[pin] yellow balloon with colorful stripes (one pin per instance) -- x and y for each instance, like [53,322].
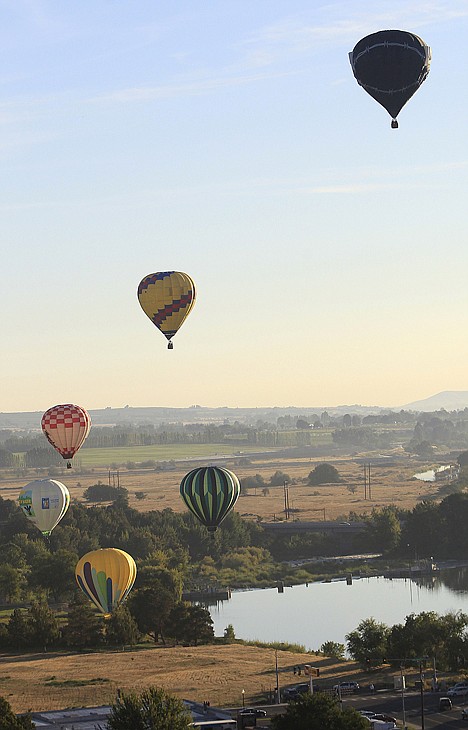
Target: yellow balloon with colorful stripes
[106,576]
[167,298]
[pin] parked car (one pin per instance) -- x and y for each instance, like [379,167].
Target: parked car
[386,718]
[303,688]
[257,711]
[458,690]
[347,687]
[290,693]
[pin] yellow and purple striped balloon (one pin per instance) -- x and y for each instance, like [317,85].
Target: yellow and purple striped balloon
[167,298]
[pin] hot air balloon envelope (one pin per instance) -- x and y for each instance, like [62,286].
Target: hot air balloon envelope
[391,65]
[106,577]
[167,298]
[210,493]
[44,502]
[66,427]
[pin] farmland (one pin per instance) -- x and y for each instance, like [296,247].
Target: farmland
[391,483]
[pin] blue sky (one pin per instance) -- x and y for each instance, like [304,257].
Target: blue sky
[231,141]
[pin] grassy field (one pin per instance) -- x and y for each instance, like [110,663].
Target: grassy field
[168,452]
[390,484]
[214,673]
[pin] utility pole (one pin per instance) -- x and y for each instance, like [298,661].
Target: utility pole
[286,500]
[277,678]
[402,679]
[421,661]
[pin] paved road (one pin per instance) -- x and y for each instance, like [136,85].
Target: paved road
[391,702]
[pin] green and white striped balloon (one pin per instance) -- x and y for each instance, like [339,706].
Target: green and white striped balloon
[210,493]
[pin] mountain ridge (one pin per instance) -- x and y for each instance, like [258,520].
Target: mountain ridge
[450,400]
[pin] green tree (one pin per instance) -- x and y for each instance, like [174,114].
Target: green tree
[229,634]
[368,643]
[253,482]
[279,478]
[55,573]
[151,608]
[324,474]
[18,630]
[121,628]
[43,624]
[11,583]
[428,634]
[424,448]
[178,622]
[153,708]
[7,459]
[42,457]
[200,625]
[104,493]
[84,629]
[318,712]
[422,533]
[333,649]
[384,529]
[3,637]
[9,721]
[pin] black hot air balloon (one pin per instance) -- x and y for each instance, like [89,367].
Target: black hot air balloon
[391,66]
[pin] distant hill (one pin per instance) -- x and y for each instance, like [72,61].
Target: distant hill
[450,400]
[194,414]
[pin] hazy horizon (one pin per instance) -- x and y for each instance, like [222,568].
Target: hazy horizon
[237,147]
[449,398]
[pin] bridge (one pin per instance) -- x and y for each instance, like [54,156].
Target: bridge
[341,529]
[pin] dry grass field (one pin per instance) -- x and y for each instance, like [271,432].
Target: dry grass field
[218,674]
[390,484]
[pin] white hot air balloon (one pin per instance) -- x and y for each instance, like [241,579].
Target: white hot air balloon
[44,502]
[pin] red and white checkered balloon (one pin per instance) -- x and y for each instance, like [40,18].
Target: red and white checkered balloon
[66,427]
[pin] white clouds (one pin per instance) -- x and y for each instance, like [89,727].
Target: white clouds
[345,22]
[192,87]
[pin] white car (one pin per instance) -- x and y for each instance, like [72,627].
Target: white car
[347,687]
[458,690]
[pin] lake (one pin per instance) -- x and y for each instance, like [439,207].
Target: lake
[317,612]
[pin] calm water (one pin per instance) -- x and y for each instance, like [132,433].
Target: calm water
[318,612]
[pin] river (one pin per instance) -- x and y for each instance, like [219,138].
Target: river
[317,612]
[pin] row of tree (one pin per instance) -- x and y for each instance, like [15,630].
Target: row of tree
[442,638]
[38,627]
[28,448]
